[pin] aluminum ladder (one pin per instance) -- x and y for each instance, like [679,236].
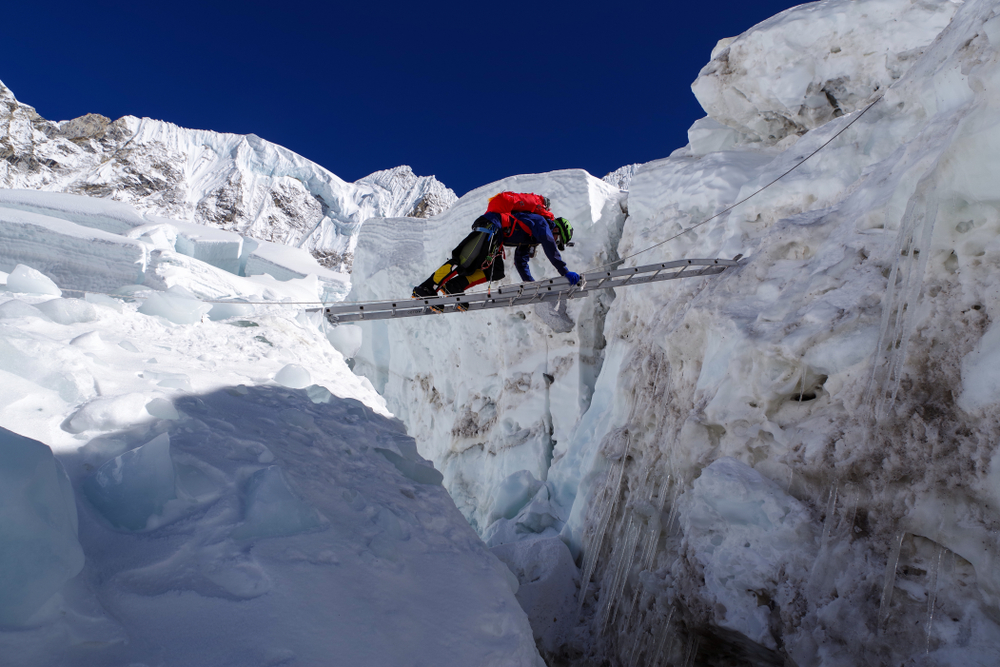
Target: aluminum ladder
[520,294]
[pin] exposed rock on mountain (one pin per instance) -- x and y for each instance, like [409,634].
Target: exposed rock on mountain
[234,182]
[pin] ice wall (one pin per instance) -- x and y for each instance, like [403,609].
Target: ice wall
[488,395]
[832,380]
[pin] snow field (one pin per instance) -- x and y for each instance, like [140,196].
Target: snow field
[244,498]
[830,404]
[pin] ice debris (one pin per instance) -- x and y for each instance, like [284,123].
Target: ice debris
[176,305]
[31,281]
[513,493]
[346,339]
[273,509]
[293,376]
[68,311]
[230,309]
[132,488]
[39,549]
[108,414]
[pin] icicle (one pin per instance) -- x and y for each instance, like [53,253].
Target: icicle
[622,567]
[900,305]
[890,580]
[830,519]
[691,654]
[932,587]
[655,527]
[819,563]
[633,605]
[608,509]
[926,225]
[623,557]
[639,647]
[662,643]
[853,495]
[613,576]
[648,540]
[673,510]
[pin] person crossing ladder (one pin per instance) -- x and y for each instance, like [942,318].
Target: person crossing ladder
[513,219]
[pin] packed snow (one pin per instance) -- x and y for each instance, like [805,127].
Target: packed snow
[191,474]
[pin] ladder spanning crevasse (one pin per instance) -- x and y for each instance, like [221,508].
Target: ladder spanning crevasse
[520,294]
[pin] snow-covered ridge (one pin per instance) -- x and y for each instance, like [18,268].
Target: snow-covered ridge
[233,182]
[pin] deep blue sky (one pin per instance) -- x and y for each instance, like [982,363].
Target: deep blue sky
[470,92]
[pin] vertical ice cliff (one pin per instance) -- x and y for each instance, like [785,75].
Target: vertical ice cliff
[794,463]
[504,387]
[802,422]
[239,183]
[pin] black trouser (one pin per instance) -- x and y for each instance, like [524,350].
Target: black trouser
[467,267]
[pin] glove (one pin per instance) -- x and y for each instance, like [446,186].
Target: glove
[573,278]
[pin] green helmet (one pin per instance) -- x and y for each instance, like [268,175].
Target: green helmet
[564,230]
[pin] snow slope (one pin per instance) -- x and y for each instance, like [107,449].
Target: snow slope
[233,182]
[188,483]
[794,462]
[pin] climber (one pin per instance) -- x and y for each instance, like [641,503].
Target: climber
[521,220]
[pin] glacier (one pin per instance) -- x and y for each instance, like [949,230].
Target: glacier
[181,488]
[792,464]
[788,464]
[237,183]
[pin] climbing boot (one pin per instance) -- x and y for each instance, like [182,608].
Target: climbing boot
[424,290]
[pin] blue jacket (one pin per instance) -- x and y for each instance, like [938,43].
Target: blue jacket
[541,234]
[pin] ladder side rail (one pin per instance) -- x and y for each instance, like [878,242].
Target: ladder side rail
[526,293]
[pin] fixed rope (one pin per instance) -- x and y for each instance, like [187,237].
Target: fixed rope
[752,195]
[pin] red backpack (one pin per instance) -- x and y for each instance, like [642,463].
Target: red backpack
[506,203]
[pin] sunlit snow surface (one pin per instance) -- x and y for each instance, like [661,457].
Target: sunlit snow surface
[792,463]
[243,497]
[839,390]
